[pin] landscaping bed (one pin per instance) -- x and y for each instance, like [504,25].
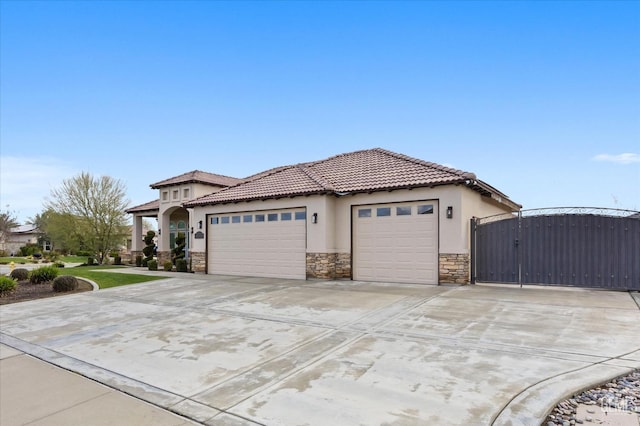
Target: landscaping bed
[28,291]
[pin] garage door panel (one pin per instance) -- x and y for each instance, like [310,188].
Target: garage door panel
[396,248]
[266,248]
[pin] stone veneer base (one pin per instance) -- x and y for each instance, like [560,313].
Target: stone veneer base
[454,268]
[329,265]
[198,261]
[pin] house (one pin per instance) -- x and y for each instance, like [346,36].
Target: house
[370,215]
[20,236]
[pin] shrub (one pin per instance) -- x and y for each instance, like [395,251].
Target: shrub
[91,260]
[153,265]
[181,265]
[19,274]
[58,264]
[7,285]
[29,249]
[65,283]
[149,245]
[138,260]
[117,260]
[43,274]
[178,251]
[144,263]
[168,265]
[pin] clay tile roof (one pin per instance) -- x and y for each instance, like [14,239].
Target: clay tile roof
[197,176]
[146,207]
[361,171]
[379,169]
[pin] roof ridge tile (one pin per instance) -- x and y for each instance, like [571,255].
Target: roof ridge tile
[320,180]
[438,166]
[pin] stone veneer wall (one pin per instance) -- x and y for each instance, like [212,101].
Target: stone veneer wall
[198,261]
[454,268]
[161,257]
[134,254]
[329,265]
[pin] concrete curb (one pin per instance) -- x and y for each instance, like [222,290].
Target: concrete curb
[533,405]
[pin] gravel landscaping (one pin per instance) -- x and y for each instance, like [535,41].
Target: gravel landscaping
[607,404]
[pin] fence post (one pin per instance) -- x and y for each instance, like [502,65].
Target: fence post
[518,251]
[473,225]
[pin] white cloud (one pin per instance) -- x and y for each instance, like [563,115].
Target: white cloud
[626,158]
[25,182]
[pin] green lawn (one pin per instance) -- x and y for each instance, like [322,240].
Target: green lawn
[107,279]
[73,259]
[8,259]
[19,259]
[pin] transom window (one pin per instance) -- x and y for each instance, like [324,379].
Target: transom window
[224,219]
[214,220]
[272,217]
[235,219]
[364,212]
[425,209]
[383,211]
[301,215]
[247,218]
[259,218]
[285,216]
[403,211]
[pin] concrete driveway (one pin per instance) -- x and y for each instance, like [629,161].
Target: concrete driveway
[237,350]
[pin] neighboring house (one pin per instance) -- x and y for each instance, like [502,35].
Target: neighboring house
[19,237]
[371,215]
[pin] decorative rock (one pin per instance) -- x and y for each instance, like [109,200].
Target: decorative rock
[622,393]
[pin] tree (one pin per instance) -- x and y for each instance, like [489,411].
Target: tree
[95,210]
[60,230]
[7,221]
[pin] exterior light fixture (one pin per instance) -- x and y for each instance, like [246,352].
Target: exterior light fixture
[314,218]
[199,224]
[450,212]
[159,232]
[192,229]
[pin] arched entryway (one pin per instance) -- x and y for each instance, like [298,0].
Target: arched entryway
[174,221]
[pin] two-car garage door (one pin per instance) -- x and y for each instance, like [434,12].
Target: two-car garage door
[396,242]
[268,243]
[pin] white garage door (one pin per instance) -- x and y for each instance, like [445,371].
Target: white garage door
[396,242]
[262,244]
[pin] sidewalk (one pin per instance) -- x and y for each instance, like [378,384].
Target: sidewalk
[34,392]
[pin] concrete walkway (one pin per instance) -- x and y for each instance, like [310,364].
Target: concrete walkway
[34,392]
[237,350]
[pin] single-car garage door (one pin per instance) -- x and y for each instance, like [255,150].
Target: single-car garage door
[396,242]
[263,244]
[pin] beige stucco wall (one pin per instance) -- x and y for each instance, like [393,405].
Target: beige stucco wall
[170,205]
[332,233]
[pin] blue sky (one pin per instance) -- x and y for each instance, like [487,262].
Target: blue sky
[539,99]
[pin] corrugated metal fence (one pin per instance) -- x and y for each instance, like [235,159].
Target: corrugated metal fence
[583,247]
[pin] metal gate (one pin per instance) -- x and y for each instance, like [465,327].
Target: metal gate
[584,247]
